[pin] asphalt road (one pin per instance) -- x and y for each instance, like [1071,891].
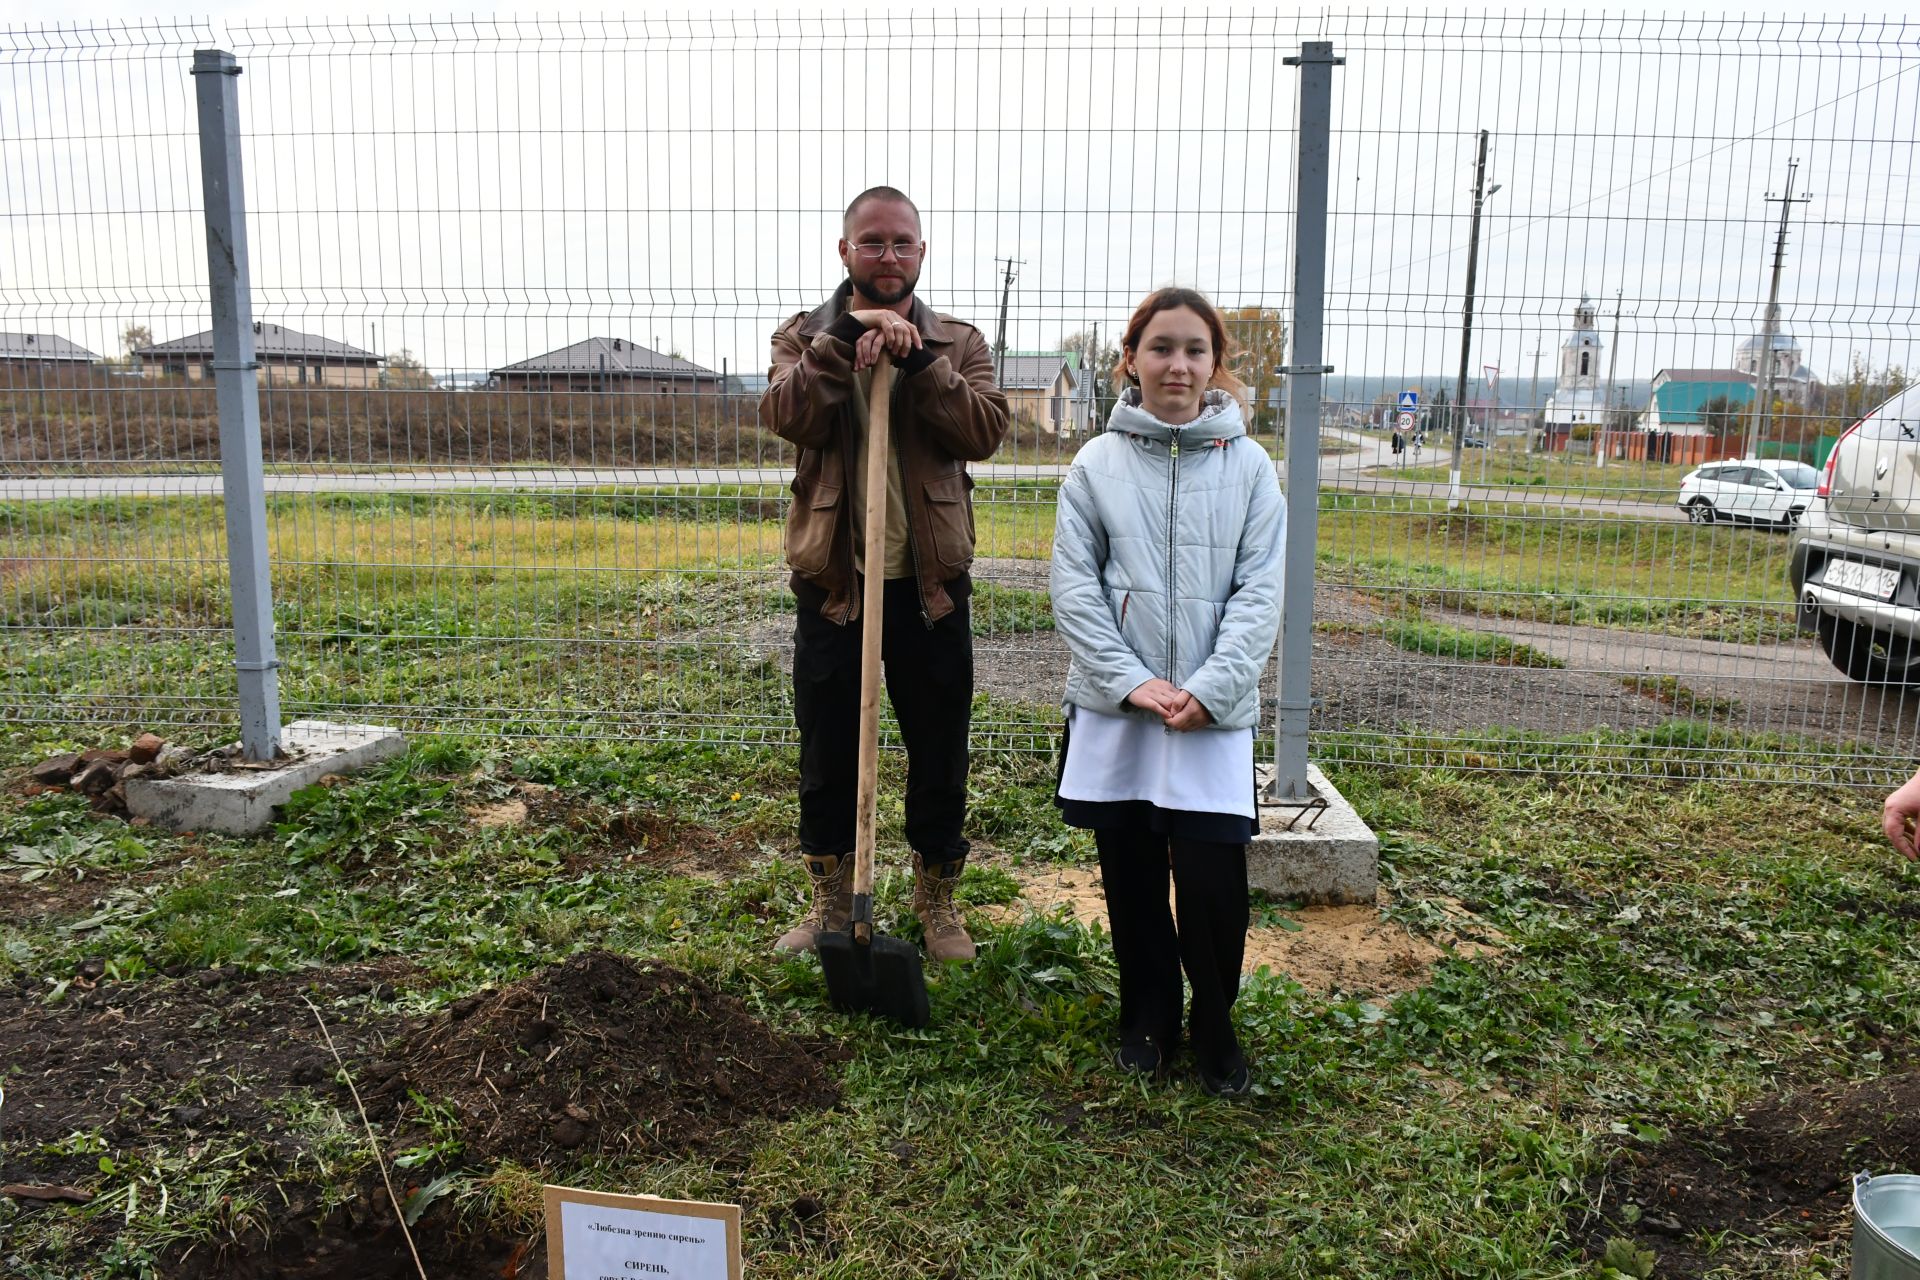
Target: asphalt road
[1367,469]
[424,480]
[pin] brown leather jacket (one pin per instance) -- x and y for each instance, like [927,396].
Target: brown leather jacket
[946,412]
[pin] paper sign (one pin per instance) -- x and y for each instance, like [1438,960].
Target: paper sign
[592,1235]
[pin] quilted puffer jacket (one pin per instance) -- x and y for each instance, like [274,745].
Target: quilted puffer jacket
[1167,561]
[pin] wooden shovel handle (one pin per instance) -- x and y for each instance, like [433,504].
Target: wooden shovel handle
[871,607]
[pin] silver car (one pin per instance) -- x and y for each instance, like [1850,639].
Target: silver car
[1855,559]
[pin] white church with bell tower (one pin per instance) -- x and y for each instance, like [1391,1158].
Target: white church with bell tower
[1578,397]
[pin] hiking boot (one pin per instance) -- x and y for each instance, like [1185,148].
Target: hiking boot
[832,902]
[933,886]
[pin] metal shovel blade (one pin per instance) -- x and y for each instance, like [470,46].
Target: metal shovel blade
[881,976]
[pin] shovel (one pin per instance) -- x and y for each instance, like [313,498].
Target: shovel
[868,972]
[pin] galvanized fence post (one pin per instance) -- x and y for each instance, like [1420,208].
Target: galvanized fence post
[237,393]
[1316,63]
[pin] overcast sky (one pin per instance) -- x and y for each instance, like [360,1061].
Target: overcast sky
[483,190]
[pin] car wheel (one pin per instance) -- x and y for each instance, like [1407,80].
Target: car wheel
[1792,520]
[1700,511]
[1866,655]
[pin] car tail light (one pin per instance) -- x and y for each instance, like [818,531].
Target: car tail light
[1833,456]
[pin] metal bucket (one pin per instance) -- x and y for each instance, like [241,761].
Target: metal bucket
[1886,1227]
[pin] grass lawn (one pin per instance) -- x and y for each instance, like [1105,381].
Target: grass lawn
[1658,966]
[654,611]
[1506,464]
[1561,566]
[1656,971]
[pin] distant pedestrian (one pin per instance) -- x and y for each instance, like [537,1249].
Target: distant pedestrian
[1399,444]
[1166,587]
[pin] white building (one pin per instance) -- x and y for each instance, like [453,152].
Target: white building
[1578,396]
[1791,378]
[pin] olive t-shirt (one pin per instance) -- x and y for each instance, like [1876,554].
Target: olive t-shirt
[899,558]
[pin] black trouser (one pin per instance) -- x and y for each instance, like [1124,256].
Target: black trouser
[929,672]
[1210,896]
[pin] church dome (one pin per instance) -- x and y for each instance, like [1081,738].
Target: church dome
[1781,342]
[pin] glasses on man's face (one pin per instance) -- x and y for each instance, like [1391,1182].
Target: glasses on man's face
[875,252]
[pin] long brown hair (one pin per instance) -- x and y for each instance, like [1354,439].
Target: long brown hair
[1172,298]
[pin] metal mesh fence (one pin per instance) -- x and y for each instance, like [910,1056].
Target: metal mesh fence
[1621,182]
[514,282]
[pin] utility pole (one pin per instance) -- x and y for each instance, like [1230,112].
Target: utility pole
[1480,194]
[1613,362]
[1093,380]
[1000,336]
[1536,417]
[1770,328]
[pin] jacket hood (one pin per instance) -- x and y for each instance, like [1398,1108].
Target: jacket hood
[1220,419]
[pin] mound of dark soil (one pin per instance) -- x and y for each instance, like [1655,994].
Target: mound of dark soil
[361,1239]
[600,1055]
[166,1060]
[1782,1173]
[596,1055]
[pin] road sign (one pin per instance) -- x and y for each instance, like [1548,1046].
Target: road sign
[1409,401]
[1406,422]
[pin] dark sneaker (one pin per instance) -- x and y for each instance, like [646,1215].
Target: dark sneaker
[1232,1085]
[1147,1055]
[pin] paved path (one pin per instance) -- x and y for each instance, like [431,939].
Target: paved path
[436,479]
[1617,649]
[1367,469]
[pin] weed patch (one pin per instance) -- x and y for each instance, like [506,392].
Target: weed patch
[1442,640]
[1668,691]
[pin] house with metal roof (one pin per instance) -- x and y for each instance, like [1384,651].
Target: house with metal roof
[1680,396]
[1040,389]
[287,358]
[42,351]
[606,364]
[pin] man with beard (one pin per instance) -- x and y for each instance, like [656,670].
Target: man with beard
[946,412]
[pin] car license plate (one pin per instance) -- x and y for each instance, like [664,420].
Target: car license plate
[1862,579]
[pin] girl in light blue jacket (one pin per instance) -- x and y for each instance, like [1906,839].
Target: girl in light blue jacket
[1166,586]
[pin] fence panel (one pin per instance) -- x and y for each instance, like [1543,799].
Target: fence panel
[116,610]
[1626,247]
[514,282]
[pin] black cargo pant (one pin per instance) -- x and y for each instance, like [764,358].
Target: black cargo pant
[929,674]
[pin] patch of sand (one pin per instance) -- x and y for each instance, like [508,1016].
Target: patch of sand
[508,813]
[1349,950]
